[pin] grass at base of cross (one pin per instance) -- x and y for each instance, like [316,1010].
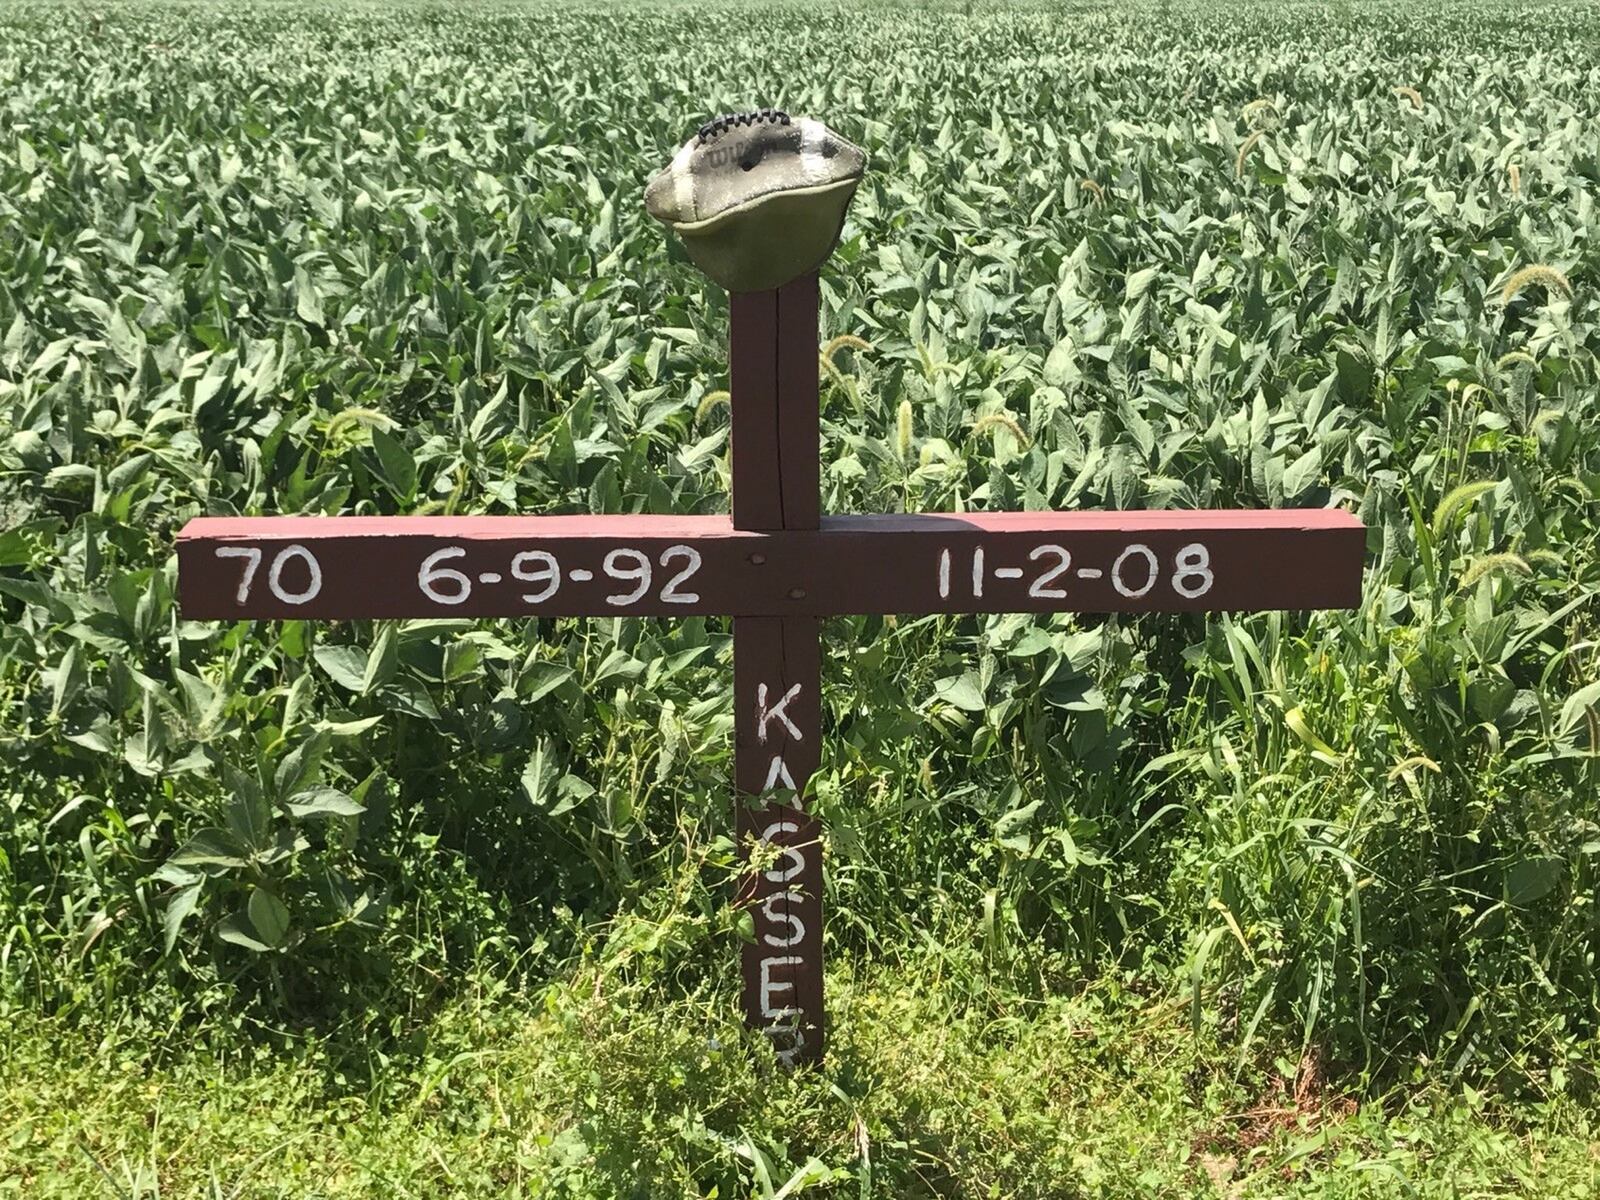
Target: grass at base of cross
[601,1087]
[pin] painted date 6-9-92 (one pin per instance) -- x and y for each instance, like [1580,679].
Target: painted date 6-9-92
[292,567]
[442,583]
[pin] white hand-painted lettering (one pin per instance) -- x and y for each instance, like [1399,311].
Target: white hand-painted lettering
[1193,562]
[252,557]
[779,773]
[275,575]
[797,928]
[797,860]
[769,985]
[639,573]
[795,1035]
[1153,568]
[430,575]
[540,567]
[691,556]
[1041,586]
[765,714]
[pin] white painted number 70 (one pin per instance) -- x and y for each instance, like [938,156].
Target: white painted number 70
[252,557]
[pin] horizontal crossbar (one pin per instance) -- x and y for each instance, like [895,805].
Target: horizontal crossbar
[508,566]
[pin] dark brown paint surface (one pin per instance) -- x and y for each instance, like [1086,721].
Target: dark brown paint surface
[782,967]
[777,662]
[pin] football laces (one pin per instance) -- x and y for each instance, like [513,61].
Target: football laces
[717,126]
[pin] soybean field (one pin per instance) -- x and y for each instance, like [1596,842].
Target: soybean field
[1269,905]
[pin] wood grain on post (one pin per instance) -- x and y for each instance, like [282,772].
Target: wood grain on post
[772,368]
[772,378]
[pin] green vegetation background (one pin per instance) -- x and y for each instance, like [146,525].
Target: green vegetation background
[1278,904]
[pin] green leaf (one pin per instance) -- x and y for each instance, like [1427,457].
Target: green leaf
[618,664]
[395,461]
[300,765]
[382,661]
[307,299]
[1532,878]
[572,791]
[541,679]
[1034,640]
[177,910]
[1075,693]
[1304,471]
[1577,704]
[239,931]
[70,677]
[961,691]
[126,341]
[348,728]
[15,550]
[249,819]
[31,591]
[539,777]
[269,917]
[1011,830]
[1082,648]
[324,802]
[210,848]
[1060,366]
[345,665]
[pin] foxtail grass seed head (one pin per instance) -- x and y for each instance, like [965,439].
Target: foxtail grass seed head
[1515,358]
[1244,150]
[1457,499]
[1506,563]
[1405,766]
[831,370]
[708,404]
[1004,421]
[1514,173]
[1544,418]
[1260,113]
[844,340]
[1094,189]
[355,418]
[1411,94]
[902,431]
[1549,278]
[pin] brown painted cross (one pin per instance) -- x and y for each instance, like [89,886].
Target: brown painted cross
[775,566]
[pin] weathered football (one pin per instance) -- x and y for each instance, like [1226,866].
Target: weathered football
[757,198]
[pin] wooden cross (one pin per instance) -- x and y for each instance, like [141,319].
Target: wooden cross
[776,566]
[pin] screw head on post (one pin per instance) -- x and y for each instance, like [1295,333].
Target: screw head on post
[758,198]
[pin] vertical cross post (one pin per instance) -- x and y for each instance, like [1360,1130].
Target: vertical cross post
[777,664]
